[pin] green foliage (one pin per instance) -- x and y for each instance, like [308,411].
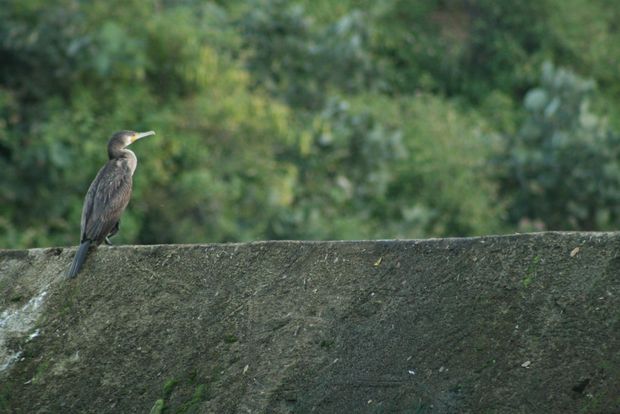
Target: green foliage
[392,180]
[341,164]
[562,164]
[444,186]
[461,48]
[297,60]
[586,36]
[310,119]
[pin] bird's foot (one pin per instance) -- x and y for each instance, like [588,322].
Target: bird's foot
[107,241]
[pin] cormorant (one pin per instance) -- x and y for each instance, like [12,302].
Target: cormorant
[107,196]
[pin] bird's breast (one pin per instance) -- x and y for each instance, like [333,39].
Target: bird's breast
[128,161]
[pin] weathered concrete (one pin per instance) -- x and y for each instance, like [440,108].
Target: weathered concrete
[515,324]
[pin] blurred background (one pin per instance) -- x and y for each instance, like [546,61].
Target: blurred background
[312,119]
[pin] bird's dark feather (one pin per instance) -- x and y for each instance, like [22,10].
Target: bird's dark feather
[106,200]
[79,258]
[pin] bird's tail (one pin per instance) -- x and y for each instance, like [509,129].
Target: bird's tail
[79,258]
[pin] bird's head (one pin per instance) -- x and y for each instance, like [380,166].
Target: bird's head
[121,140]
[126,138]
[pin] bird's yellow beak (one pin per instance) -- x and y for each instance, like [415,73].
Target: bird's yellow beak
[139,135]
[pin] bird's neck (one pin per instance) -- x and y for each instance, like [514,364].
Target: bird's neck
[115,153]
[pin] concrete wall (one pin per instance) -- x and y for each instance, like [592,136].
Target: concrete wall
[514,324]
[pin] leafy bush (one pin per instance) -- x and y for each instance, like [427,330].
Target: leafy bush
[466,49]
[562,164]
[376,167]
[445,186]
[297,60]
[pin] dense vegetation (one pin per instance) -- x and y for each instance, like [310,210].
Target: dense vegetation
[312,119]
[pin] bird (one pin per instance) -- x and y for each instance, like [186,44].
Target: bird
[107,196]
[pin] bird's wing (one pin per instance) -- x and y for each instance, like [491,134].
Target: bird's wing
[108,196]
[87,209]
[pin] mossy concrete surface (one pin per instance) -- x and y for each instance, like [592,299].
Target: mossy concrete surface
[513,324]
